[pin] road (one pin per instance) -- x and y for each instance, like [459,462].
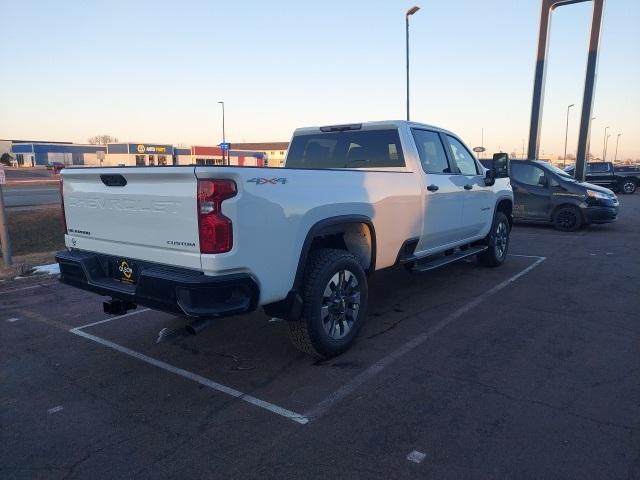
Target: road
[29,195]
[530,370]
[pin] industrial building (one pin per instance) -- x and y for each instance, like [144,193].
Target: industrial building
[138,154]
[34,154]
[275,151]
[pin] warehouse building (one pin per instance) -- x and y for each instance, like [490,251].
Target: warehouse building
[212,155]
[138,154]
[275,151]
[32,154]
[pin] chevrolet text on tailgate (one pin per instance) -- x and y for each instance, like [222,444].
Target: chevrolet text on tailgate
[301,241]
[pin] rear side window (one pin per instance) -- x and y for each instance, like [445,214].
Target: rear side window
[598,167]
[528,174]
[463,158]
[431,151]
[349,149]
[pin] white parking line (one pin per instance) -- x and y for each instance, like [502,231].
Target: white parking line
[338,395]
[107,320]
[349,387]
[283,412]
[25,288]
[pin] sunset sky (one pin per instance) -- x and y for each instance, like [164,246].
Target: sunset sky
[152,71]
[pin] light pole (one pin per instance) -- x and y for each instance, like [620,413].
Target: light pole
[566,133]
[604,144]
[410,12]
[615,158]
[224,140]
[589,143]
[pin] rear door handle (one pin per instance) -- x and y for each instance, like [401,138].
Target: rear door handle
[468,187]
[433,188]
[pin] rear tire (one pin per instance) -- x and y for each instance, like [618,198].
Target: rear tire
[628,186]
[567,219]
[497,241]
[334,304]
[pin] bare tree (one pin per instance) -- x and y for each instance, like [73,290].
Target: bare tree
[102,139]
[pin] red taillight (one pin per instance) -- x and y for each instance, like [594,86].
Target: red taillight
[216,230]
[64,217]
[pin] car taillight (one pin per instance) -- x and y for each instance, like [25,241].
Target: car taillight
[64,217]
[216,230]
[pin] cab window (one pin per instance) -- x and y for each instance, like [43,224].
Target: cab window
[431,151]
[528,174]
[348,149]
[463,158]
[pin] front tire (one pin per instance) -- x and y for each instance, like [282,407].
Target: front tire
[567,219]
[335,295]
[628,186]
[497,242]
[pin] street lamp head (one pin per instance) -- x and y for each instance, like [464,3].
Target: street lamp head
[412,10]
[571,105]
[221,103]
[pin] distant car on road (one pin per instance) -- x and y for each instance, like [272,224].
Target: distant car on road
[544,193]
[606,175]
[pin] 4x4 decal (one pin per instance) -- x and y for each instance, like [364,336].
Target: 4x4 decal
[267,181]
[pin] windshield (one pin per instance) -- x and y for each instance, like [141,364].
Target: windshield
[558,171]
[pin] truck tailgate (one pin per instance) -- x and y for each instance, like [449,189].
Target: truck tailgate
[142,213]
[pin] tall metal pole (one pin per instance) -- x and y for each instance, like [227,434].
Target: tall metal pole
[589,143]
[4,233]
[410,12]
[604,145]
[589,81]
[224,140]
[566,133]
[615,158]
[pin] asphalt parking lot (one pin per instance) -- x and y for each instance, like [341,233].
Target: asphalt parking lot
[531,370]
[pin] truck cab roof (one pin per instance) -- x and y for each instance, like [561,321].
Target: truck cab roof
[374,125]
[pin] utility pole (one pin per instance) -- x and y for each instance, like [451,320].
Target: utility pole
[410,12]
[224,140]
[615,158]
[566,133]
[4,231]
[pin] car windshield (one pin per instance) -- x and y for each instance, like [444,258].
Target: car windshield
[558,171]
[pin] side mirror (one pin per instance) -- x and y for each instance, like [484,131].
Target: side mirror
[490,177]
[500,165]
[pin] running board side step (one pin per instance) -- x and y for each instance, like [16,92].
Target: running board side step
[441,261]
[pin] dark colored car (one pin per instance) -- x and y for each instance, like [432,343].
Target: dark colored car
[546,194]
[605,174]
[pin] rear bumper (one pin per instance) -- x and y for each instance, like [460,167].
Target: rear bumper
[161,287]
[600,214]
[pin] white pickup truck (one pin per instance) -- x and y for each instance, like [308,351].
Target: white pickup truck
[300,241]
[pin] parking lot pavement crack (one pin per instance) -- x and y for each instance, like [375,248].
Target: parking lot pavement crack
[71,470]
[495,390]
